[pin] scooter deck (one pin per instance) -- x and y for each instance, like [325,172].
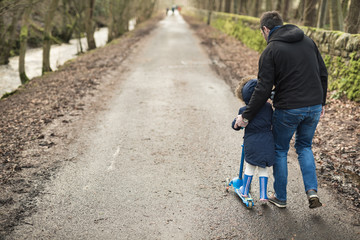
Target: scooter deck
[248,201]
[236,183]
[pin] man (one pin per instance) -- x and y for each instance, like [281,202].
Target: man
[292,63]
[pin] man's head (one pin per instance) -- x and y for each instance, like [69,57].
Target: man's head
[268,21]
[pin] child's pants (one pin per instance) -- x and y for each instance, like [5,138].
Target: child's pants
[250,170]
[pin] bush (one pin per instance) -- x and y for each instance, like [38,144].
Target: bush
[344,77]
[237,27]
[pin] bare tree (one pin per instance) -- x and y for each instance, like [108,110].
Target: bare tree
[89,26]
[143,9]
[278,5]
[47,36]
[336,18]
[255,6]
[269,5]
[69,20]
[9,16]
[211,9]
[220,5]
[310,13]
[353,18]
[117,26]
[227,6]
[236,6]
[298,16]
[344,7]
[23,42]
[285,10]
[322,13]
[243,7]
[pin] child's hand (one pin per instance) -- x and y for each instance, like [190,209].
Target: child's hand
[235,126]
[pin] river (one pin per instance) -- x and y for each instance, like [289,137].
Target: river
[59,54]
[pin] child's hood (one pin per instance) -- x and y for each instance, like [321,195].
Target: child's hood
[246,89]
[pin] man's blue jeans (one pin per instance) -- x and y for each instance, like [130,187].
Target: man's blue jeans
[286,122]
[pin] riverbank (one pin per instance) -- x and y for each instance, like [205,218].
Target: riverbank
[59,54]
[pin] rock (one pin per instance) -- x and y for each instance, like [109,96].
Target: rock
[340,42]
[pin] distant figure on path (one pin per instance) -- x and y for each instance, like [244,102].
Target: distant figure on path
[292,63]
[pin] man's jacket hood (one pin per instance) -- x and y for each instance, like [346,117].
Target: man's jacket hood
[287,33]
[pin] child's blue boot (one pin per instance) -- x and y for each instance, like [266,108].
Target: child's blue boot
[245,188]
[263,189]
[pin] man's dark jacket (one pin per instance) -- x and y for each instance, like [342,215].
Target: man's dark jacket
[292,63]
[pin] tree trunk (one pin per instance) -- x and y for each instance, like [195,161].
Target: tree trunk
[2,42]
[89,26]
[4,48]
[68,22]
[285,10]
[227,6]
[344,7]
[118,19]
[310,13]
[23,42]
[211,8]
[299,11]
[269,6]
[111,21]
[220,5]
[47,36]
[255,8]
[236,7]
[7,36]
[278,5]
[322,14]
[353,18]
[336,19]
[243,7]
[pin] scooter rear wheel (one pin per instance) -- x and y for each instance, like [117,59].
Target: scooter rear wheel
[250,204]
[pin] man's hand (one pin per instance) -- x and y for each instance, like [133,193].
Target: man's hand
[240,122]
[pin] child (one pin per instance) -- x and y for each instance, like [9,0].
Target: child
[259,145]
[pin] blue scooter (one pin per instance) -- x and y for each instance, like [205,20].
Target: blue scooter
[237,182]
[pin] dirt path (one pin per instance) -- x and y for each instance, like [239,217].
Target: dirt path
[151,160]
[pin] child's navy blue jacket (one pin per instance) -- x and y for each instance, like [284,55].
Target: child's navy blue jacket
[259,144]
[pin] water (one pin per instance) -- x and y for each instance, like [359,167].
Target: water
[59,54]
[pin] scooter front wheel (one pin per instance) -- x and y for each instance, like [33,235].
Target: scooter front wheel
[227,184]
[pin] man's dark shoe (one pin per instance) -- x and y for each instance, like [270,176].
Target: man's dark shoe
[314,200]
[277,202]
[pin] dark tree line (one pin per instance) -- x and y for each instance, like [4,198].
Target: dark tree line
[45,22]
[342,15]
